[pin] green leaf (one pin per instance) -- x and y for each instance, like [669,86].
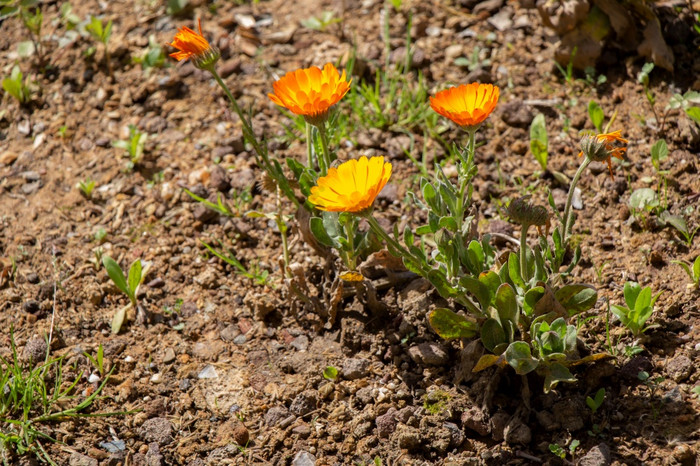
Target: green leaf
[631,290]
[486,361]
[118,319]
[694,114]
[644,198]
[596,114]
[25,48]
[532,296]
[506,303]
[317,228]
[520,358]
[539,143]
[330,373]
[659,152]
[134,277]
[576,298]
[696,268]
[450,325]
[514,270]
[116,274]
[556,373]
[492,334]
[643,299]
[676,221]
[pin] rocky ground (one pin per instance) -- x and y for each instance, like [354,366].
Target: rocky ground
[229,371]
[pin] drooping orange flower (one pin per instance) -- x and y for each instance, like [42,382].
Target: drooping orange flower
[193,45]
[352,187]
[310,92]
[603,147]
[467,105]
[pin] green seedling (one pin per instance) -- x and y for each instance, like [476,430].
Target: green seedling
[96,260]
[34,399]
[134,147]
[568,73]
[86,187]
[17,86]
[97,360]
[642,202]
[652,384]
[129,285]
[693,272]
[474,60]
[539,142]
[101,32]
[153,57]
[596,115]
[100,235]
[679,223]
[330,373]
[596,402]
[640,306]
[233,208]
[560,452]
[643,79]
[688,102]
[321,22]
[659,153]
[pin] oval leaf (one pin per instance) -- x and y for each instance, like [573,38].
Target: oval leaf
[450,325]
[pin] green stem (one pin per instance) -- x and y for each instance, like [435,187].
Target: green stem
[249,136]
[282,227]
[463,174]
[405,253]
[310,147]
[350,228]
[523,253]
[324,148]
[568,216]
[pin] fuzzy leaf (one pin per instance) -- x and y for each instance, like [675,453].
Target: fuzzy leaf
[492,334]
[520,358]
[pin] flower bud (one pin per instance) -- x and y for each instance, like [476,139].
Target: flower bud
[524,213]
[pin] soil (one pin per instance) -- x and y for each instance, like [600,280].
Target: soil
[227,371]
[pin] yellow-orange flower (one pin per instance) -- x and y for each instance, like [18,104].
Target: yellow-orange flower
[352,187]
[603,147]
[193,45]
[467,105]
[311,92]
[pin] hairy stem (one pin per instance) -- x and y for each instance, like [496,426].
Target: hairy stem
[568,216]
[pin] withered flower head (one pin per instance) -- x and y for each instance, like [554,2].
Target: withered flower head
[602,147]
[193,46]
[523,212]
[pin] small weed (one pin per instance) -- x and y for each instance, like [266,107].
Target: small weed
[693,272]
[595,402]
[101,32]
[129,285]
[153,57]
[640,306]
[97,360]
[652,385]
[321,22]
[86,187]
[134,147]
[559,451]
[18,86]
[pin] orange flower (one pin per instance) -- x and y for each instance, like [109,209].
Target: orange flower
[352,187]
[467,105]
[604,146]
[310,92]
[193,45]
